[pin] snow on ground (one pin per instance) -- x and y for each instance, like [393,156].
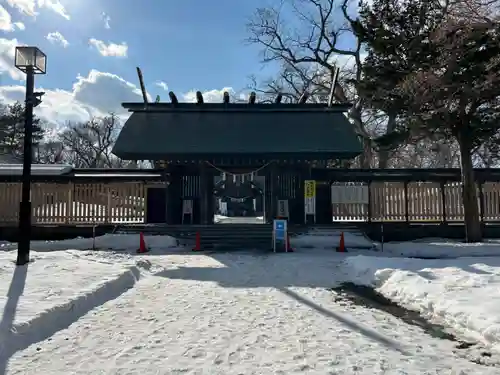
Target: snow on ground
[115,242]
[220,314]
[52,291]
[440,248]
[220,219]
[355,241]
[330,239]
[462,294]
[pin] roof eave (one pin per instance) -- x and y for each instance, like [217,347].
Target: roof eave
[308,155]
[238,107]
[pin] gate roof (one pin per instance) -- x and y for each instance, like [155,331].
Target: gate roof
[199,131]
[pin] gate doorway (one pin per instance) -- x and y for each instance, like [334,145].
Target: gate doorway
[239,198]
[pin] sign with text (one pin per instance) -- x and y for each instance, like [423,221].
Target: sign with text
[280,229]
[310,197]
[282,208]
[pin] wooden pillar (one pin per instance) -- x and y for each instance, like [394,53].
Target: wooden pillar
[323,203]
[296,204]
[203,206]
[206,194]
[274,190]
[174,195]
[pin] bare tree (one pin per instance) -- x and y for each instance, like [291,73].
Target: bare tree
[89,144]
[309,51]
[49,152]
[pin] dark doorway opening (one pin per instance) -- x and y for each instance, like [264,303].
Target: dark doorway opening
[239,198]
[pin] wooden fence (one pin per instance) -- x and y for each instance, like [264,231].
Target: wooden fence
[74,203]
[125,202]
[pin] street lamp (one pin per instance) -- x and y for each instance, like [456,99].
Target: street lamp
[31,61]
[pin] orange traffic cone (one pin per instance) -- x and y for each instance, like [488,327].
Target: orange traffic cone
[341,248]
[288,246]
[142,244]
[197,245]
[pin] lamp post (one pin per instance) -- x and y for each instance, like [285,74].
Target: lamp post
[31,61]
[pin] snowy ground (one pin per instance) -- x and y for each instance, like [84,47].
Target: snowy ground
[220,219]
[462,294]
[188,313]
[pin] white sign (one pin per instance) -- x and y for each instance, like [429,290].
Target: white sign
[283,208]
[350,194]
[187,207]
[223,207]
[310,197]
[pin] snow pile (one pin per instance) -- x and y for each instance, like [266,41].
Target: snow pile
[219,218]
[115,242]
[462,294]
[428,248]
[47,295]
[439,248]
[330,239]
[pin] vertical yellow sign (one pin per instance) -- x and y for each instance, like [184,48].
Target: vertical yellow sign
[310,189]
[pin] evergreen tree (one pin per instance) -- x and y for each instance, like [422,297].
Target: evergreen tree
[442,73]
[12,130]
[396,35]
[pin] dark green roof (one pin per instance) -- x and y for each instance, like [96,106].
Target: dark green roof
[210,130]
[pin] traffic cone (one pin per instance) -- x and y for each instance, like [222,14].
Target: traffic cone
[142,244]
[341,248]
[288,246]
[197,245]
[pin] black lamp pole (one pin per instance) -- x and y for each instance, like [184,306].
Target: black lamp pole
[23,250]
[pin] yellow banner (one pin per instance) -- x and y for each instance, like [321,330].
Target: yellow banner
[309,189]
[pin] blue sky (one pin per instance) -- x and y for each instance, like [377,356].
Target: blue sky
[94,46]
[189,44]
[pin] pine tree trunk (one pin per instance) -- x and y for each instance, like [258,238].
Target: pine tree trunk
[473,232]
[384,155]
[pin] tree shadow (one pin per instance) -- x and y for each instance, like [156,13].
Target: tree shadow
[16,290]
[369,333]
[270,272]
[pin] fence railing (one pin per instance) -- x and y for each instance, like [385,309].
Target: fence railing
[108,203]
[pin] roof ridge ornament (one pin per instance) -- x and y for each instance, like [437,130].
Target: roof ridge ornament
[143,88]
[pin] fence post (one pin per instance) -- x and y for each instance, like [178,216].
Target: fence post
[70,203]
[442,187]
[481,200]
[370,201]
[407,203]
[109,208]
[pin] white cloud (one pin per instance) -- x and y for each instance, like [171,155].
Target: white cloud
[6,23]
[162,85]
[29,7]
[211,96]
[57,38]
[110,49]
[54,5]
[94,95]
[106,20]
[7,50]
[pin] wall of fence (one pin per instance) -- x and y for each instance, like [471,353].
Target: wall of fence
[114,203]
[73,203]
[413,202]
